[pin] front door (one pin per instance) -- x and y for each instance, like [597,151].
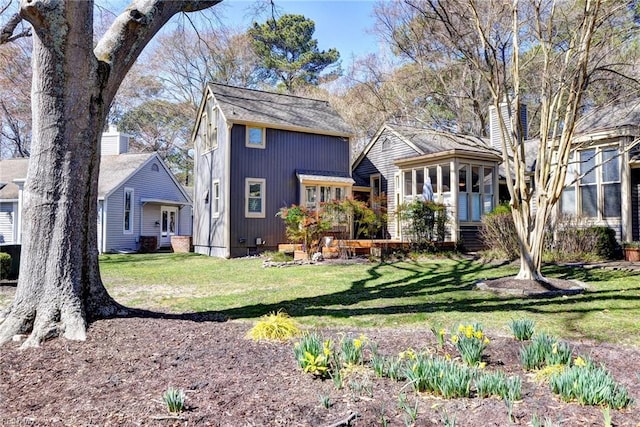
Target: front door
[168,224]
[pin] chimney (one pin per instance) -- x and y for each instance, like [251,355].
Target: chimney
[114,142]
[495,137]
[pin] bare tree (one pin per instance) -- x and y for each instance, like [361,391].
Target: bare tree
[74,83]
[499,40]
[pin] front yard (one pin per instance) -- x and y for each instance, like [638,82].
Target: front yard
[421,293]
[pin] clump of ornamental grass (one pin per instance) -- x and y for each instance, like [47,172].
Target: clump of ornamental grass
[471,343]
[274,327]
[588,384]
[522,329]
[544,350]
[498,384]
[313,354]
[440,376]
[174,399]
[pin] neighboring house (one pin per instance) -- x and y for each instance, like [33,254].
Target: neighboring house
[462,171]
[256,152]
[138,196]
[604,172]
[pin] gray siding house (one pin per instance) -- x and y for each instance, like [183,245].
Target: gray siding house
[137,196]
[256,152]
[462,171]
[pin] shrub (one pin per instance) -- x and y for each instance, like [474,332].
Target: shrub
[304,226]
[470,342]
[498,233]
[543,351]
[589,385]
[274,327]
[426,223]
[174,399]
[571,238]
[5,265]
[522,329]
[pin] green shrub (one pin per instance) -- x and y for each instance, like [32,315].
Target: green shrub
[470,342]
[522,329]
[499,234]
[5,265]
[274,327]
[174,399]
[588,384]
[571,238]
[543,351]
[426,223]
[607,246]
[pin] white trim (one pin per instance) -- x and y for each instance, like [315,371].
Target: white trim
[227,193]
[131,209]
[263,133]
[263,185]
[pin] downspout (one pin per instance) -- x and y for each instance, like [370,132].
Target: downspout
[104,226]
[227,195]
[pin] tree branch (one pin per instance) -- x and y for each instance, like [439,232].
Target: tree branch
[7,31]
[131,32]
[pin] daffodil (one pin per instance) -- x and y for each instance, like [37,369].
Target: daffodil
[454,339]
[580,362]
[482,365]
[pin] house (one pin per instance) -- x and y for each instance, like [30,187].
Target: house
[256,152]
[462,171]
[603,178]
[138,199]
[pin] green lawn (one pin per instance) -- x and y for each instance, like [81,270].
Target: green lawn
[421,293]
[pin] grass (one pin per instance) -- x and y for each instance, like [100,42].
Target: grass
[425,292]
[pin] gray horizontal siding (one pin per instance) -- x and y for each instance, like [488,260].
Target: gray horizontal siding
[7,222]
[147,184]
[380,160]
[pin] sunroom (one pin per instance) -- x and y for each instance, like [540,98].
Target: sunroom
[465,181]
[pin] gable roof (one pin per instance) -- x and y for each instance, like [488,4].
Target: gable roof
[429,141]
[9,170]
[277,110]
[114,170]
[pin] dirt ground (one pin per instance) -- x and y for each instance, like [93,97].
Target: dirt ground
[117,377]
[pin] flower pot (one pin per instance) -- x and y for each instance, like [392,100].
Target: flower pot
[632,254]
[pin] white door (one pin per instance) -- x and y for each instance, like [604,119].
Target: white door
[168,224]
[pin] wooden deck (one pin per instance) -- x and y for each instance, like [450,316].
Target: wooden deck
[342,248]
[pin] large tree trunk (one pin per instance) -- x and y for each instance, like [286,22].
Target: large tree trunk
[59,283]
[59,289]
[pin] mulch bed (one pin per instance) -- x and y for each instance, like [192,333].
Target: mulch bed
[117,377]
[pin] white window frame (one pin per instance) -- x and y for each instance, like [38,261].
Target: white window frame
[263,132]
[247,185]
[575,183]
[318,201]
[215,198]
[131,210]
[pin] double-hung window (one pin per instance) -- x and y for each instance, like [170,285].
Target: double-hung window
[215,199]
[593,184]
[255,197]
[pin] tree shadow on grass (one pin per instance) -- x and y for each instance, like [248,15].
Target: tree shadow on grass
[430,283]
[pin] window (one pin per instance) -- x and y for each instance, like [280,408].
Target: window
[215,199]
[155,167]
[255,197]
[475,194]
[255,137]
[212,130]
[127,225]
[598,189]
[314,194]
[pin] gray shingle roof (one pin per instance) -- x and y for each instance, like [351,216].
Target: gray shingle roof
[278,110]
[432,141]
[9,170]
[113,171]
[610,117]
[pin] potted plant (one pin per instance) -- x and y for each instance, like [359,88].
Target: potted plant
[631,251]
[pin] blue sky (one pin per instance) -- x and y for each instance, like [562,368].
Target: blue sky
[343,24]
